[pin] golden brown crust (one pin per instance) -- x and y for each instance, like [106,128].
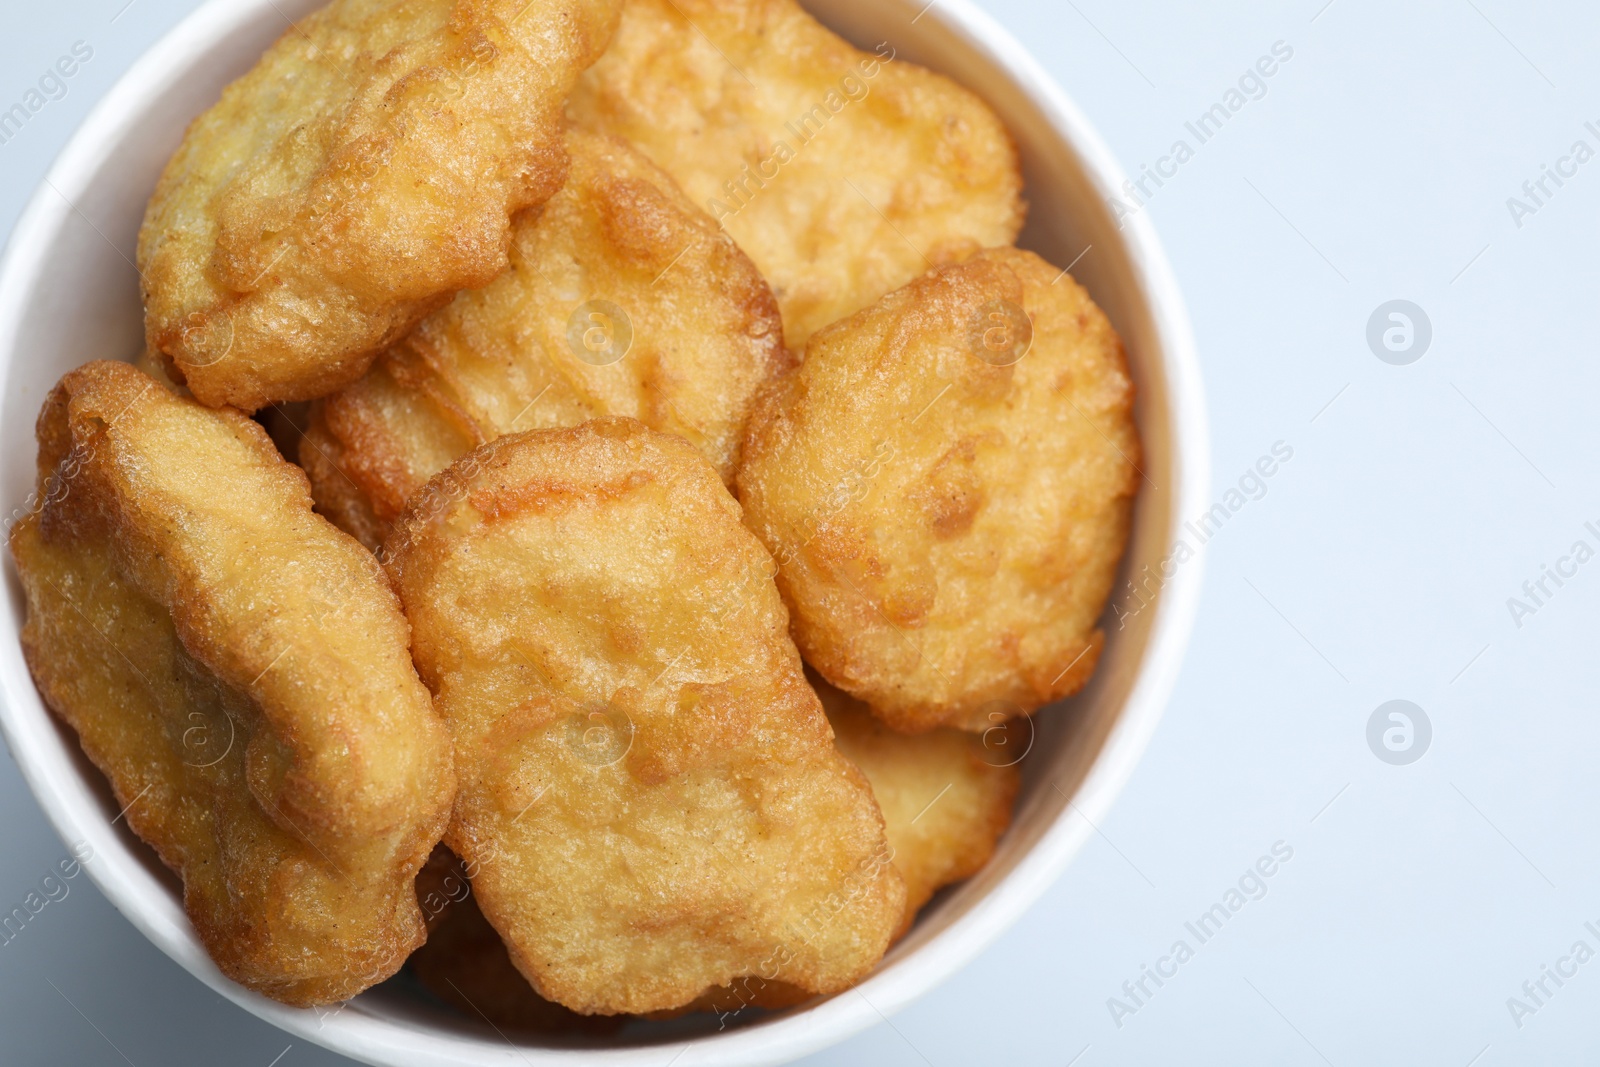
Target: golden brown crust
[358,176]
[844,174]
[948,520]
[465,964]
[705,334]
[650,796]
[238,669]
[946,799]
[737,997]
[337,495]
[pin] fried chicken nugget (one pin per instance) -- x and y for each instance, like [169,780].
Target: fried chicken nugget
[623,298]
[945,798]
[946,483]
[465,964]
[650,796]
[358,176]
[238,669]
[844,174]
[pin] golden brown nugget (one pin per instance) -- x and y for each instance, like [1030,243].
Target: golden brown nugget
[946,799]
[285,423]
[358,176]
[844,174]
[239,670]
[946,484]
[623,298]
[651,801]
[465,964]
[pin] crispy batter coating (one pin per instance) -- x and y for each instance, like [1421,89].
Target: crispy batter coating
[698,332]
[947,517]
[650,795]
[465,964]
[238,669]
[358,176]
[751,991]
[946,799]
[844,174]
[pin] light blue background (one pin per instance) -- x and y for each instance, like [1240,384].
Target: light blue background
[1377,566]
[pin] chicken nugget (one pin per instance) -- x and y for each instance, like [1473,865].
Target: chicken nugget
[465,964]
[844,174]
[239,670]
[945,797]
[946,483]
[623,298]
[358,176]
[651,801]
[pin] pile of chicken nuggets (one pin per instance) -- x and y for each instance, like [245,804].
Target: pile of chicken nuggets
[598,475]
